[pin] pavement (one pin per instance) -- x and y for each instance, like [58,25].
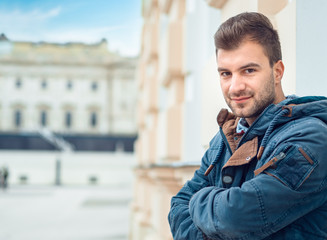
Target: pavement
[64,212]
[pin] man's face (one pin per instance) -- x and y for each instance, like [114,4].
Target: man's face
[246,79]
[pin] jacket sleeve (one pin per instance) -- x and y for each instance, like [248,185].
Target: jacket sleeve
[181,224]
[279,195]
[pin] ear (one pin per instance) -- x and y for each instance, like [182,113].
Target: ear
[278,70]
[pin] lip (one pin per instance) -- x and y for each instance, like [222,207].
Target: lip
[240,99]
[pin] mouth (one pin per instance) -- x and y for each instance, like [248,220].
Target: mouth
[239,100]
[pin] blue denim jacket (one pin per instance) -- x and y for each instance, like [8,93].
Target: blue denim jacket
[272,184]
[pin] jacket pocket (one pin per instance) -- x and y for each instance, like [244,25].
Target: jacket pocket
[294,168]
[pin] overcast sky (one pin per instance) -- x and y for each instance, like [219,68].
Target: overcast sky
[60,21]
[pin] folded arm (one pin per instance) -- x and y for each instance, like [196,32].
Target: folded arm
[278,196]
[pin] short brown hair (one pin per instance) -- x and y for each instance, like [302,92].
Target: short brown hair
[251,26]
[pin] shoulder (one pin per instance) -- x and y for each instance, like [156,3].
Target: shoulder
[303,129]
[306,136]
[294,151]
[309,133]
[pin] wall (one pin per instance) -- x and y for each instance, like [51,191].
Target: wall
[200,90]
[311,48]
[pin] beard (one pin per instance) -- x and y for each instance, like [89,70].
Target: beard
[260,101]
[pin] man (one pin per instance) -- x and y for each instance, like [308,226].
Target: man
[265,173]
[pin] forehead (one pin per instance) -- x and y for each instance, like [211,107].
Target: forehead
[247,52]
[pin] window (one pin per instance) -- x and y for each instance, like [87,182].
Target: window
[44,84]
[69,85]
[94,86]
[68,119]
[18,83]
[43,118]
[93,119]
[18,118]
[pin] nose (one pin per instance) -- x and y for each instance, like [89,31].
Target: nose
[237,85]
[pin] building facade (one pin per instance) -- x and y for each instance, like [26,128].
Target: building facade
[179,93]
[73,96]
[72,89]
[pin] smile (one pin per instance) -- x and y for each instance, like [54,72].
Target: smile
[240,99]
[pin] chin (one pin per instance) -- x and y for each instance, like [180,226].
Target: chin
[242,114]
[239,112]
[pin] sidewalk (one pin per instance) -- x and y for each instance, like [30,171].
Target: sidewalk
[64,213]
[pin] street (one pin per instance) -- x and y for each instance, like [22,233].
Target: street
[31,212]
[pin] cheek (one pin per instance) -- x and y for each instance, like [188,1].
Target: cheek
[267,85]
[224,87]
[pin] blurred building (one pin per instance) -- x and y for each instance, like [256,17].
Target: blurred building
[69,88]
[82,94]
[179,92]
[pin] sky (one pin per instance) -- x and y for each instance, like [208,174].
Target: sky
[87,21]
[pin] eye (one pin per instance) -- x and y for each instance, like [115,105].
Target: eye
[249,70]
[225,74]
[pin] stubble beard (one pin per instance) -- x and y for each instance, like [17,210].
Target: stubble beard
[260,101]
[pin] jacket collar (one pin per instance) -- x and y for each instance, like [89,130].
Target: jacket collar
[227,121]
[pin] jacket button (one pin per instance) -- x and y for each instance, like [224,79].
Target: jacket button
[248,158]
[227,179]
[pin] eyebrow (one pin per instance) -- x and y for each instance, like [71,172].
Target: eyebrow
[220,69]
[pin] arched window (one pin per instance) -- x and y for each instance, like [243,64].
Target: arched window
[43,118]
[68,119]
[93,119]
[18,82]
[94,86]
[69,85]
[44,84]
[18,118]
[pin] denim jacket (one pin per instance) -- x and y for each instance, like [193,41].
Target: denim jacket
[269,183]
